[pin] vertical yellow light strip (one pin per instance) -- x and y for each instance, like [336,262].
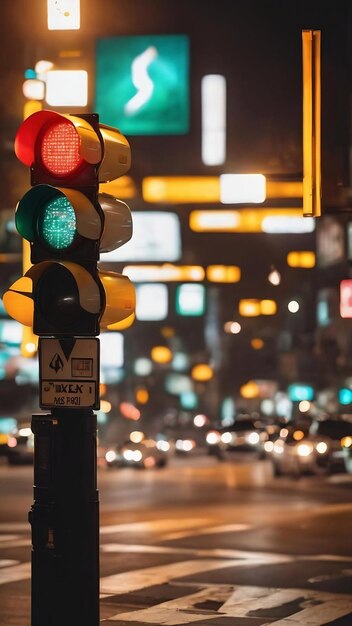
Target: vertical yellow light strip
[311,50]
[307,42]
[317,122]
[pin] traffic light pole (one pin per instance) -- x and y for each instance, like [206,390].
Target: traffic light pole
[65,519]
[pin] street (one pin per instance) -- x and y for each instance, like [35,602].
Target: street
[201,541]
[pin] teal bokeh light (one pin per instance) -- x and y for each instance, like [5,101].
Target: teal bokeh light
[345,396]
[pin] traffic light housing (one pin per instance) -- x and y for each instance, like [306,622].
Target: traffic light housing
[68,223]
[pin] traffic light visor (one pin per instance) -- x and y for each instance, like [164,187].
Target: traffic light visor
[61,142]
[120,298]
[18,301]
[54,215]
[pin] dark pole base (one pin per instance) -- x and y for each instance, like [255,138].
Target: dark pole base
[65,520]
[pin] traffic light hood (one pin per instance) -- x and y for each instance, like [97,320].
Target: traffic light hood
[104,147]
[30,207]
[117,223]
[90,148]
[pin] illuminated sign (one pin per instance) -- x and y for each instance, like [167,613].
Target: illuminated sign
[190,299]
[156,237]
[346,298]
[112,349]
[152,302]
[297,393]
[142,84]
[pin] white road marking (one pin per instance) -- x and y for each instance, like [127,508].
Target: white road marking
[158,575]
[263,557]
[177,611]
[158,526]
[18,543]
[316,608]
[225,528]
[14,527]
[335,576]
[4,538]
[7,562]
[329,610]
[15,572]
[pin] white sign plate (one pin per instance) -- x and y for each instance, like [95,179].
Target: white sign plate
[69,373]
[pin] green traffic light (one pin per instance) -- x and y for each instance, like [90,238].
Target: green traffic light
[57,223]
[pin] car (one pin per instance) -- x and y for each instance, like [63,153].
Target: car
[20,446]
[316,448]
[245,434]
[145,454]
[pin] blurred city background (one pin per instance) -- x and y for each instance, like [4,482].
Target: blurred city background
[243,305]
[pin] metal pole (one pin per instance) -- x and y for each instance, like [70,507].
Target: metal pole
[65,519]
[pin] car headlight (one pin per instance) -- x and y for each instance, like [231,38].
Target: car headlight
[111,456]
[278,446]
[269,446]
[321,447]
[253,438]
[226,437]
[163,445]
[304,449]
[346,442]
[212,437]
[136,456]
[128,454]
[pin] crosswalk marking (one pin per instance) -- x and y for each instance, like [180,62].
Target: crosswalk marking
[160,574]
[325,613]
[315,608]
[14,573]
[209,530]
[312,607]
[7,562]
[178,611]
[224,553]
[158,526]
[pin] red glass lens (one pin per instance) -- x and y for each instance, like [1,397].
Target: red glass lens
[59,149]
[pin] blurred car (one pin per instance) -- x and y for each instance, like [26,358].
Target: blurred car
[315,449]
[145,454]
[245,434]
[7,426]
[185,445]
[20,446]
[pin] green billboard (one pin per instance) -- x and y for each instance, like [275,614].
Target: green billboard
[142,84]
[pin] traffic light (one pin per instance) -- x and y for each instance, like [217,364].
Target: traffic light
[68,223]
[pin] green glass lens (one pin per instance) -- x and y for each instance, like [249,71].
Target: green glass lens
[57,223]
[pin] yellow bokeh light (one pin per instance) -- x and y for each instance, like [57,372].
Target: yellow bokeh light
[167,332]
[298,435]
[257,343]
[249,308]
[161,354]
[304,259]
[142,395]
[223,273]
[205,189]
[249,390]
[202,372]
[268,307]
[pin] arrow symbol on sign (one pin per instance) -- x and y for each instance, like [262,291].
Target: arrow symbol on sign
[56,363]
[141,80]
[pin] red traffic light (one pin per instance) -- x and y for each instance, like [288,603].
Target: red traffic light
[59,148]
